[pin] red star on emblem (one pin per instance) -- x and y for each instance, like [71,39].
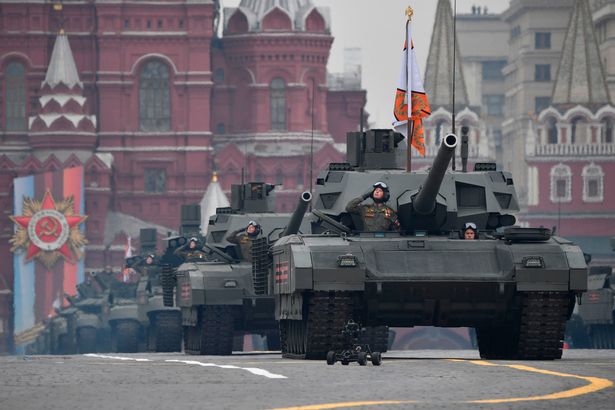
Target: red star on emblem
[50,230]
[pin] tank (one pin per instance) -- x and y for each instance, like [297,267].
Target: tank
[516,286]
[226,293]
[92,332]
[127,322]
[163,329]
[596,313]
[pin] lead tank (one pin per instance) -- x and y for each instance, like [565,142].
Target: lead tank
[516,286]
[224,294]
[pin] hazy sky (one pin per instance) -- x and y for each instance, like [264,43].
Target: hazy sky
[378,27]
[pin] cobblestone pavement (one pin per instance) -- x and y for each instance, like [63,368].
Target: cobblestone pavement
[410,379]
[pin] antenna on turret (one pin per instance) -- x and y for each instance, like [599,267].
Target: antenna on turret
[454,68]
[312,137]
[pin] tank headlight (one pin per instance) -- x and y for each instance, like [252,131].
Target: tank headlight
[347,261]
[533,262]
[230,284]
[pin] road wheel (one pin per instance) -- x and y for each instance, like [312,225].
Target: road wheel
[331,358]
[376,358]
[86,340]
[126,336]
[362,358]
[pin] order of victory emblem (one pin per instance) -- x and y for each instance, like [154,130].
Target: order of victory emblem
[48,230]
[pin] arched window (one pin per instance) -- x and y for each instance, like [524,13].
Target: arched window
[607,131]
[593,183]
[15,75]
[561,181]
[154,98]
[279,177]
[552,131]
[277,97]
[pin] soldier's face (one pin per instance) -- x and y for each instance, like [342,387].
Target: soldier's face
[378,193]
[149,260]
[192,244]
[251,229]
[469,234]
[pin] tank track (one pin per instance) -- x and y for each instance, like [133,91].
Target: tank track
[86,340]
[192,340]
[537,334]
[168,332]
[217,328]
[327,314]
[543,324]
[167,280]
[126,337]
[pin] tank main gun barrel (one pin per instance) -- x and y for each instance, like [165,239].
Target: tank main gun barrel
[425,201]
[295,220]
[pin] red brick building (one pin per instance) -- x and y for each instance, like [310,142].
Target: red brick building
[570,152]
[150,101]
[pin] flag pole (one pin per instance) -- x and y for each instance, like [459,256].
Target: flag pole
[409,14]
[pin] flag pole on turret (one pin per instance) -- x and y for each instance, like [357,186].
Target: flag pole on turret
[411,104]
[409,14]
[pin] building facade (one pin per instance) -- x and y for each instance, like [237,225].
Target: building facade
[151,101]
[481,36]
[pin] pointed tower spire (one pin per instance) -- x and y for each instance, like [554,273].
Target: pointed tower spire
[438,73]
[580,77]
[62,68]
[63,107]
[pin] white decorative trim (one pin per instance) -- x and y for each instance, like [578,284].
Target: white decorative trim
[155,149]
[153,56]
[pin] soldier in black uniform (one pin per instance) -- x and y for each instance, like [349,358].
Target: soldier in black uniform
[190,251]
[244,237]
[376,217]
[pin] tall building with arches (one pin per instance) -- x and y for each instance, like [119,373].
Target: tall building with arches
[273,105]
[570,150]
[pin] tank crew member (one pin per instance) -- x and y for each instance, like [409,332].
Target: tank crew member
[376,217]
[470,231]
[190,251]
[149,259]
[244,237]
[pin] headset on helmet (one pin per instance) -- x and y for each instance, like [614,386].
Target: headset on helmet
[385,189]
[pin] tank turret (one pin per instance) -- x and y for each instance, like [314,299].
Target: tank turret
[435,201]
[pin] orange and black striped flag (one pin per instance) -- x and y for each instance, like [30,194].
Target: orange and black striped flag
[410,79]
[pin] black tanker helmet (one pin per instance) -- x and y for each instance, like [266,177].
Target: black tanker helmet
[385,189]
[257,226]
